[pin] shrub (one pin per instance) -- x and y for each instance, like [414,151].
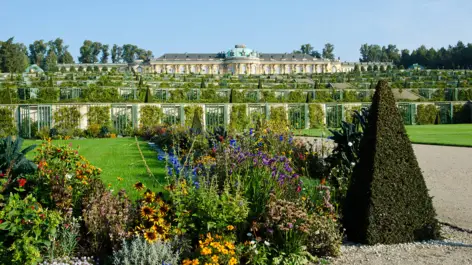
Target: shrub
[316,115]
[69,261]
[149,116]
[101,94]
[387,201]
[238,119]
[26,229]
[190,111]
[66,118]
[278,116]
[297,96]
[8,96]
[99,115]
[325,238]
[106,219]
[49,94]
[139,252]
[426,114]
[7,122]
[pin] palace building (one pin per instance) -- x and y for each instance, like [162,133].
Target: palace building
[242,60]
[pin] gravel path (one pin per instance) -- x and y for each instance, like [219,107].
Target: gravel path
[448,175]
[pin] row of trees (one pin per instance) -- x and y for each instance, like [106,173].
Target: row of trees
[15,57]
[90,51]
[327,52]
[452,57]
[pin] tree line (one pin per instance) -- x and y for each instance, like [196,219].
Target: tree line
[327,52]
[458,56]
[16,57]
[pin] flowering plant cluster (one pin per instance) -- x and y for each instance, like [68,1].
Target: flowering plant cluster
[214,249]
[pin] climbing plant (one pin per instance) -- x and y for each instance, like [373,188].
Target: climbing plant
[99,115]
[278,116]
[239,119]
[315,112]
[66,118]
[7,122]
[149,116]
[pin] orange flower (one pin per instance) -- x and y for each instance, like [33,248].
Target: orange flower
[230,227]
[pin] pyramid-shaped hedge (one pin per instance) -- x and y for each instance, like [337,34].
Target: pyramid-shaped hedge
[387,201]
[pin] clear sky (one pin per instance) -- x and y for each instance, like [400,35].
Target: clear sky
[217,25]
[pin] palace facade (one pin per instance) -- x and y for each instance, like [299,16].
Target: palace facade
[242,60]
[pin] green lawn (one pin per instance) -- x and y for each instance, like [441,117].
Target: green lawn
[446,134]
[119,158]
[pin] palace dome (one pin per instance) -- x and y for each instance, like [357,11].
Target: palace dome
[240,51]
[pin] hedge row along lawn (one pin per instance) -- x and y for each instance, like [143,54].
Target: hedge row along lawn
[447,134]
[120,161]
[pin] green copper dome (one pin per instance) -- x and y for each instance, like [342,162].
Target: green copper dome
[240,51]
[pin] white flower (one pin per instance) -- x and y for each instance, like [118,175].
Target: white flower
[253,242]
[257,252]
[248,234]
[266,243]
[350,143]
[353,164]
[68,176]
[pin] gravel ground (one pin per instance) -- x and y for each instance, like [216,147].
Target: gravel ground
[448,175]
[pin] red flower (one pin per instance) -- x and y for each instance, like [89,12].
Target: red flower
[22,182]
[1,221]
[299,189]
[2,175]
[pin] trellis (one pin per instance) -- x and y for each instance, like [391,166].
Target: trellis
[33,118]
[215,116]
[334,115]
[172,114]
[408,112]
[298,116]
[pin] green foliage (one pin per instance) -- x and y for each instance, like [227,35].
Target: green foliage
[190,111]
[101,94]
[296,96]
[149,116]
[349,112]
[13,161]
[8,96]
[27,230]
[138,252]
[426,114]
[239,120]
[99,115]
[278,116]
[49,94]
[7,122]
[462,113]
[387,201]
[67,118]
[316,115]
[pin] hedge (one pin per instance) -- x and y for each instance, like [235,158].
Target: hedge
[99,115]
[278,116]
[7,122]
[190,112]
[149,116]
[426,114]
[387,201]
[66,118]
[316,115]
[239,119]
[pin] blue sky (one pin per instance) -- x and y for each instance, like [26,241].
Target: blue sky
[266,26]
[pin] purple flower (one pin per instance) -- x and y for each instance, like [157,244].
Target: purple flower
[251,131]
[281,138]
[196,184]
[290,225]
[160,157]
[270,231]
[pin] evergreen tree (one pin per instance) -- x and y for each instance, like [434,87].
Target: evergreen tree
[387,201]
[68,59]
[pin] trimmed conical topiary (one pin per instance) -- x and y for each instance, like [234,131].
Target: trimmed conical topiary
[196,123]
[387,201]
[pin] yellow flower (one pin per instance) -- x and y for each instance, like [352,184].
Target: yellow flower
[229,245]
[214,258]
[230,227]
[233,261]
[149,197]
[303,198]
[147,212]
[206,251]
[119,178]
[150,236]
[195,262]
[186,262]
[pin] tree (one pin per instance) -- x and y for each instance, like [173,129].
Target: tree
[129,53]
[89,51]
[105,54]
[50,64]
[13,56]
[59,49]
[356,68]
[328,51]
[68,59]
[316,54]
[387,201]
[115,54]
[306,48]
[37,52]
